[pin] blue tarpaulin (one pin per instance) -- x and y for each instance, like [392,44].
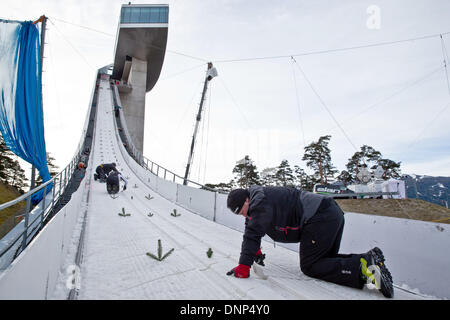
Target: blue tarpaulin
[21,115]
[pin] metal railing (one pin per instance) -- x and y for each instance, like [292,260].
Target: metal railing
[25,226]
[34,218]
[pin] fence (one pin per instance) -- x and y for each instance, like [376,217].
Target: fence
[22,228]
[29,223]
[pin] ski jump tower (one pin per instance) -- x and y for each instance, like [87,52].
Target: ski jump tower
[138,58]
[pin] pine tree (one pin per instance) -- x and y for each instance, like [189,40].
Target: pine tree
[246,173]
[268,176]
[225,187]
[52,168]
[6,162]
[367,156]
[317,155]
[391,168]
[11,172]
[345,177]
[302,180]
[370,158]
[284,176]
[18,178]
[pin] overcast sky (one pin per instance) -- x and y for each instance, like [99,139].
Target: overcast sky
[393,97]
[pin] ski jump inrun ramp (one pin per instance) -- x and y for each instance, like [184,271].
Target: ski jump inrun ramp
[105,254]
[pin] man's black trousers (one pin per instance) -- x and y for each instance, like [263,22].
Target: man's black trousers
[319,248]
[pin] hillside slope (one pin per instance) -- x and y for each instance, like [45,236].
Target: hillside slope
[8,193]
[400,208]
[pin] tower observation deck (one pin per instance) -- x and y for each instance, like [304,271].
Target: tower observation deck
[138,58]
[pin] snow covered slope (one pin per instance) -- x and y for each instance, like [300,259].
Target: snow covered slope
[115,264]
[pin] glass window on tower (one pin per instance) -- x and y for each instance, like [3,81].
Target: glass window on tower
[135,15]
[164,15]
[126,15]
[144,15]
[154,15]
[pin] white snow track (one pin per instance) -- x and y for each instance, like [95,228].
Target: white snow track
[115,264]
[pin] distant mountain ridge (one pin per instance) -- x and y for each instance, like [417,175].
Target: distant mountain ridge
[428,188]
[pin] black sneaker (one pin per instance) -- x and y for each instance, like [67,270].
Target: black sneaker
[374,270]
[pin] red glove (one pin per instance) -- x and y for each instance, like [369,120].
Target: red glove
[241,271]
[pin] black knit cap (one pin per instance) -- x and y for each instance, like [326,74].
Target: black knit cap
[236,199]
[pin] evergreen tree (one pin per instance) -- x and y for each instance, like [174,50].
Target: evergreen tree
[391,168]
[303,181]
[268,176]
[246,173]
[52,168]
[370,158]
[367,156]
[345,177]
[225,187]
[18,178]
[10,171]
[284,176]
[6,162]
[318,158]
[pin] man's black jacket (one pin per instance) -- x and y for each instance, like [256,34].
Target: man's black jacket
[108,167]
[279,212]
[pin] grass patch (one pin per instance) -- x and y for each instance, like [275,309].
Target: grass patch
[415,209]
[7,194]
